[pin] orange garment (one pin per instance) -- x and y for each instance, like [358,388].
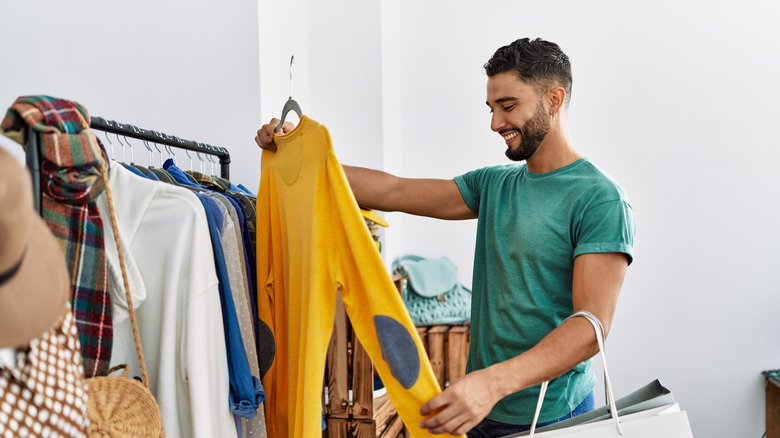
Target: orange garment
[311,238]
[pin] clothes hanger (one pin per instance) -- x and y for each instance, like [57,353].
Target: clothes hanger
[142,169]
[132,151]
[161,174]
[110,144]
[290,105]
[200,177]
[210,159]
[186,152]
[159,152]
[202,163]
[149,149]
[191,172]
[122,163]
[173,158]
[123,146]
[218,180]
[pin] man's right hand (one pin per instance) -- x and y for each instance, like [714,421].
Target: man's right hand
[265,135]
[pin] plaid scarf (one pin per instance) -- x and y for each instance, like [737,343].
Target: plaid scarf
[71,158]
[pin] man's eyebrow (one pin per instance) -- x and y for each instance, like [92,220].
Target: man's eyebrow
[503,99]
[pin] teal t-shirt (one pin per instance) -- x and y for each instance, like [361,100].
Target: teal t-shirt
[531,226]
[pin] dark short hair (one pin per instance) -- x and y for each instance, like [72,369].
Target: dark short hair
[537,62]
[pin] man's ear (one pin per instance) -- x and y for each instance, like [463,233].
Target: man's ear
[556,98]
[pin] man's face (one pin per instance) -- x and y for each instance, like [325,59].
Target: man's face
[518,115]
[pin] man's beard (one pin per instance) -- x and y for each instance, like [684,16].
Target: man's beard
[531,135]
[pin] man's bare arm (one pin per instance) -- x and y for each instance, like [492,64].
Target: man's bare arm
[438,198]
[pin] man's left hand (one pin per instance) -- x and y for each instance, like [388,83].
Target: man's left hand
[462,405]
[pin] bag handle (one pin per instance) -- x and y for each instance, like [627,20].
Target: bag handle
[607,384]
[412,257]
[130,308]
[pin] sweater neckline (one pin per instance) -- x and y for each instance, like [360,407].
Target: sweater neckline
[290,136]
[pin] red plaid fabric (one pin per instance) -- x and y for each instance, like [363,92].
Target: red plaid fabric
[71,158]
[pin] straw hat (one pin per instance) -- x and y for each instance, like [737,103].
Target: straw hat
[34,284]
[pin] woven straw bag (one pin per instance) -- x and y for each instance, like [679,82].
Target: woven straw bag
[118,406]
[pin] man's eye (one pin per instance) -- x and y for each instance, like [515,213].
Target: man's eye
[508,108]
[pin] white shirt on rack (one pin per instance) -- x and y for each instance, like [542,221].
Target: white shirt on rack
[170,262]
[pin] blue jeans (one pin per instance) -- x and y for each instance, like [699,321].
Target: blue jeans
[489,428]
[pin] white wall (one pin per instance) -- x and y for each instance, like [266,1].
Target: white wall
[188,69]
[283,33]
[337,77]
[675,99]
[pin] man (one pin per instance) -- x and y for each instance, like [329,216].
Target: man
[555,236]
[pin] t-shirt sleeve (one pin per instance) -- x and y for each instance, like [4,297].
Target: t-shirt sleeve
[607,227]
[470,185]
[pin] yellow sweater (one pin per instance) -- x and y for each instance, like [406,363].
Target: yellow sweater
[311,238]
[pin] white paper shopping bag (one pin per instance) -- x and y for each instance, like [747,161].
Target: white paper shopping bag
[638,415]
[664,422]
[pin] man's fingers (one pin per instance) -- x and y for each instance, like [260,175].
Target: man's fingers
[265,135]
[442,409]
[466,426]
[287,127]
[444,421]
[434,404]
[265,138]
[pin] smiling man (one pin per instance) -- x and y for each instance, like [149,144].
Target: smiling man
[555,236]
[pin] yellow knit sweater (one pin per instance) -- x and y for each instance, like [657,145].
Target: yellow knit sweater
[311,238]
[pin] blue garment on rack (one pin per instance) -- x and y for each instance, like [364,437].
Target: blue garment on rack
[132,168]
[152,176]
[179,175]
[240,189]
[245,190]
[246,391]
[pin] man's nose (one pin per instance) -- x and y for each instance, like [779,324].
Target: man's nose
[496,122]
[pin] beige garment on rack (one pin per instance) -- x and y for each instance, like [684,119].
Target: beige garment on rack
[232,246]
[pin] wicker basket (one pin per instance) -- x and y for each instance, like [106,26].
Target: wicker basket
[122,407]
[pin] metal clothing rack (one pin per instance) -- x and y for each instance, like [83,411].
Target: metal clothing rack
[125,130]
[133,131]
